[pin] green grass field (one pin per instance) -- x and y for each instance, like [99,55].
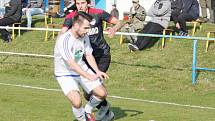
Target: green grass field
[151,75]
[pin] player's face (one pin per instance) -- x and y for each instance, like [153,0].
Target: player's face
[81,5]
[83,28]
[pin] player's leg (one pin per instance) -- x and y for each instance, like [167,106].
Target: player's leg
[103,63]
[92,86]
[98,95]
[71,91]
[103,108]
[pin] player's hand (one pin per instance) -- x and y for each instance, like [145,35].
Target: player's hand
[111,32]
[92,77]
[177,25]
[102,75]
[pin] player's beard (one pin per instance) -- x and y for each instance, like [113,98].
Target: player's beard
[80,35]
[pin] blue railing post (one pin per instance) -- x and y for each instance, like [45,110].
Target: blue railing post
[46,5]
[194,62]
[61,6]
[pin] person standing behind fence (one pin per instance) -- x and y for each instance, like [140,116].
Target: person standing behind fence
[135,22]
[34,7]
[13,14]
[160,13]
[204,5]
[114,12]
[71,70]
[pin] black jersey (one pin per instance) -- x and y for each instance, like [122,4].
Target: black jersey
[96,35]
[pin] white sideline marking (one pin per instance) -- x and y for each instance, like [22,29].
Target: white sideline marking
[26,54]
[116,97]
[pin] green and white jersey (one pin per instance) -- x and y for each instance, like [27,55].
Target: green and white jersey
[69,48]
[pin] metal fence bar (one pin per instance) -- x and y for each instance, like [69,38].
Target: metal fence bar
[205,69]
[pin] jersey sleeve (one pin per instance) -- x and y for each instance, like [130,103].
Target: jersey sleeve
[67,22]
[68,19]
[87,46]
[65,47]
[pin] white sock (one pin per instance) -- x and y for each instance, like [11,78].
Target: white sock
[79,113]
[92,103]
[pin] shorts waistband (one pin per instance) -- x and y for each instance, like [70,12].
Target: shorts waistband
[68,75]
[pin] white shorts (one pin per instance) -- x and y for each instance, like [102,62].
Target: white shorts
[71,82]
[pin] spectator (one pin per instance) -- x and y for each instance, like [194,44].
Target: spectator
[136,21]
[24,3]
[114,12]
[189,12]
[13,14]
[176,7]
[160,13]
[34,7]
[204,5]
[2,7]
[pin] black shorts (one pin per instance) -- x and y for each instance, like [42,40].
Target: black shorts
[103,62]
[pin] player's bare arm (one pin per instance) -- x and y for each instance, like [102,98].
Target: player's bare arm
[118,25]
[80,71]
[91,60]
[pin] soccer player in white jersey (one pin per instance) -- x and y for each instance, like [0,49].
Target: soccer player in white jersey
[71,71]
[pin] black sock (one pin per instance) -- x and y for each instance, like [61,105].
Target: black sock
[103,103]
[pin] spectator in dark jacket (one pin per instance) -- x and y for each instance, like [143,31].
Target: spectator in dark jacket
[189,12]
[176,7]
[13,14]
[114,12]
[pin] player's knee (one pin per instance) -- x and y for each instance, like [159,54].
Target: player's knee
[103,94]
[77,104]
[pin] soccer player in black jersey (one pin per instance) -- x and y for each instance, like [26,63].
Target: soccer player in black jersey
[101,50]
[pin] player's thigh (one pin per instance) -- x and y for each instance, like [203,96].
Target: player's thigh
[90,85]
[68,83]
[69,86]
[75,98]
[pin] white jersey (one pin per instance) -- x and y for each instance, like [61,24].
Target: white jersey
[66,48]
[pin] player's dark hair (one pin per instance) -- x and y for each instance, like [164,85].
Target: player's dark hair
[88,1]
[80,17]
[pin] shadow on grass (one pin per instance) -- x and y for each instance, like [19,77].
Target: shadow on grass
[139,65]
[148,66]
[121,113]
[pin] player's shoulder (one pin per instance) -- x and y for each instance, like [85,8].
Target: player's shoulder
[65,36]
[71,14]
[95,11]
